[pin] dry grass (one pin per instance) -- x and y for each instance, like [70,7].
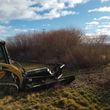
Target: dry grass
[63,98]
[90,91]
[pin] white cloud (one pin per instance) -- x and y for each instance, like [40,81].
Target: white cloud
[33,10]
[103,31]
[46,25]
[30,9]
[92,23]
[23,30]
[7,31]
[2,28]
[98,26]
[101,9]
[4,31]
[15,9]
[103,18]
[89,34]
[56,14]
[105,26]
[104,1]
[58,4]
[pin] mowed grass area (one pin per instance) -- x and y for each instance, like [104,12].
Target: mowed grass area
[90,91]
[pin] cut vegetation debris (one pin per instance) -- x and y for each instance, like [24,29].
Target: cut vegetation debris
[90,91]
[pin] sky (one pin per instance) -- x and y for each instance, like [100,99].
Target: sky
[90,16]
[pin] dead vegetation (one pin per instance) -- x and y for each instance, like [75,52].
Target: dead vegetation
[88,92]
[69,46]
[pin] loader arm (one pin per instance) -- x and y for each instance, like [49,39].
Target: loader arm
[12,69]
[6,65]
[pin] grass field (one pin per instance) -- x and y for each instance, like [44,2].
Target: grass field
[90,91]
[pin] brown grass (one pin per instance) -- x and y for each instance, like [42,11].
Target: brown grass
[88,92]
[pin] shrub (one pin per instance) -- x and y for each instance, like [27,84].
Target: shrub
[69,46]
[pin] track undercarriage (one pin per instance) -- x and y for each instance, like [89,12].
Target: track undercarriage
[36,79]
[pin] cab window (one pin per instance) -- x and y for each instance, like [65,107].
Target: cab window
[2,59]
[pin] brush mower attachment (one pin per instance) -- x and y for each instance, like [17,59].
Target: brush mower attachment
[14,78]
[44,77]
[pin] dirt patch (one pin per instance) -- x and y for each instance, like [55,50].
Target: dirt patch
[98,79]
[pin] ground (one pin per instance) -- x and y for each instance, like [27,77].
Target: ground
[89,91]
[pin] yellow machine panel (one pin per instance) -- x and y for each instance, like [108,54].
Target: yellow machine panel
[13,69]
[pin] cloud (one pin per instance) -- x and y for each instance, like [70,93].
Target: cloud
[104,1]
[57,4]
[9,31]
[98,26]
[15,9]
[102,18]
[101,9]
[92,23]
[33,10]
[56,14]
[23,30]
[104,26]
[4,31]
[36,9]
[103,31]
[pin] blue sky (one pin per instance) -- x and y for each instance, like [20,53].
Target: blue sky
[91,16]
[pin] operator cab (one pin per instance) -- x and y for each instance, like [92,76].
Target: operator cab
[4,57]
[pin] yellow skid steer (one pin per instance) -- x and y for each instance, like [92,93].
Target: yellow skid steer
[15,78]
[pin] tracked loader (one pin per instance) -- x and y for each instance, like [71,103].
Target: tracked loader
[15,78]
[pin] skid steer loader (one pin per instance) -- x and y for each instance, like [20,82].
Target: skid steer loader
[15,78]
